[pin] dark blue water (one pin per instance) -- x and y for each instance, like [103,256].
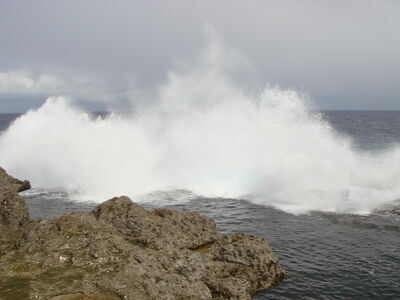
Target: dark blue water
[326,256]
[370,130]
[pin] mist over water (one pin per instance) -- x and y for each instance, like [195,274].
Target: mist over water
[206,134]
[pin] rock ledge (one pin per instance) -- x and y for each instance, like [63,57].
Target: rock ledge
[122,251]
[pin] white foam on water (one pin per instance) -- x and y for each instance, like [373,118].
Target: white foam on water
[207,135]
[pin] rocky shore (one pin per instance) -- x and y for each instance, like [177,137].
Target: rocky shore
[120,250]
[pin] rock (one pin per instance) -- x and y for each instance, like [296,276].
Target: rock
[246,263]
[122,251]
[159,228]
[13,209]
[14,216]
[9,181]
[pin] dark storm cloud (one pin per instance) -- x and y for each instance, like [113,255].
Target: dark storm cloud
[345,54]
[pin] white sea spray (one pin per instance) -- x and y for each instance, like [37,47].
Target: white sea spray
[205,134]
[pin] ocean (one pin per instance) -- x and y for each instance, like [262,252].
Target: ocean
[327,171]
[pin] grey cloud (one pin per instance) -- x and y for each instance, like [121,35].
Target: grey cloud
[345,54]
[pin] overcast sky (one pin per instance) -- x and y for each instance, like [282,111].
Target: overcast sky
[344,54]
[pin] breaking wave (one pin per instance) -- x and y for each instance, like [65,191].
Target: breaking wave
[207,135]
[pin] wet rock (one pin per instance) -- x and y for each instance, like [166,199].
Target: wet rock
[122,251]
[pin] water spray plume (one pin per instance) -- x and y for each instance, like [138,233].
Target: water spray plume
[205,134]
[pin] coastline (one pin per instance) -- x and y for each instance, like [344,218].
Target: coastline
[120,250]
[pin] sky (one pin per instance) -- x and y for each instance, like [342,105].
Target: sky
[108,53]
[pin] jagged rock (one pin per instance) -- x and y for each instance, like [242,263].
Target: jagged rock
[159,228]
[13,209]
[122,251]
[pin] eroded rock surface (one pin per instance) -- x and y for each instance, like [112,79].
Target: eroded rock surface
[13,209]
[122,251]
[14,216]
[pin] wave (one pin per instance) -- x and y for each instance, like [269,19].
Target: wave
[204,134]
